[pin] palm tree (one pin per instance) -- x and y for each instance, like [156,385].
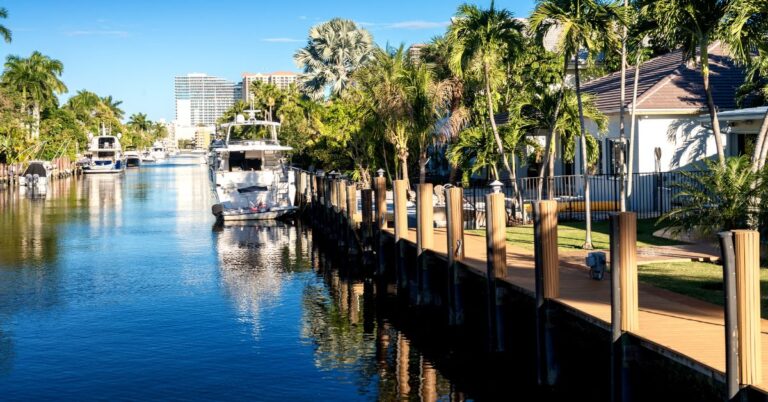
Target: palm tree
[382,82]
[436,54]
[5,33]
[334,50]
[693,25]
[480,39]
[37,78]
[587,25]
[474,150]
[140,122]
[428,101]
[268,96]
[747,36]
[114,105]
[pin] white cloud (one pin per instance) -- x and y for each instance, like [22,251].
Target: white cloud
[282,40]
[98,32]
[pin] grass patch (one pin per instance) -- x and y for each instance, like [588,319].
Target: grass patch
[570,235]
[700,280]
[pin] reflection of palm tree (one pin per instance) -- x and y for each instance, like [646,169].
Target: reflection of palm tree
[37,78]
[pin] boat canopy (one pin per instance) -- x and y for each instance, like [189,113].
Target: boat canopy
[36,168]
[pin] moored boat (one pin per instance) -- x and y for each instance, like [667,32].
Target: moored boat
[250,178]
[106,155]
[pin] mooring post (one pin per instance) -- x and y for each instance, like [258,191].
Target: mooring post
[547,278]
[380,190]
[746,244]
[624,301]
[351,223]
[366,226]
[297,195]
[342,222]
[454,214]
[731,318]
[319,208]
[425,234]
[496,232]
[401,230]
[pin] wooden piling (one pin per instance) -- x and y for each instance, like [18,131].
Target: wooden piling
[401,229]
[454,213]
[550,259]
[351,211]
[628,271]
[380,222]
[425,234]
[366,226]
[747,257]
[547,285]
[496,232]
[624,300]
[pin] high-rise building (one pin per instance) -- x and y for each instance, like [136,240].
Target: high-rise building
[281,79]
[201,99]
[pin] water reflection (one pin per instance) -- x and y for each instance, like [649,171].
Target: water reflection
[254,257]
[349,332]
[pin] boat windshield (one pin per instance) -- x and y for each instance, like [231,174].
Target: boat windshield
[267,134]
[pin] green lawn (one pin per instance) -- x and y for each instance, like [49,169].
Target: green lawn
[700,280]
[570,235]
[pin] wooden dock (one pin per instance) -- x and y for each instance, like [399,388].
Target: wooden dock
[685,329]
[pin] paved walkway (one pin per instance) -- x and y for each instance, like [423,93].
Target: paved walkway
[684,326]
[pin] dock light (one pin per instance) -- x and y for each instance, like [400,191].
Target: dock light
[380,172]
[320,173]
[496,186]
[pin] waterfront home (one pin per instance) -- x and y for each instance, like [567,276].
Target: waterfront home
[670,134]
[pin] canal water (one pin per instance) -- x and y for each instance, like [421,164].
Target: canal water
[123,288]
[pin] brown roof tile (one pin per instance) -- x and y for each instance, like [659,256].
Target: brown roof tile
[666,82]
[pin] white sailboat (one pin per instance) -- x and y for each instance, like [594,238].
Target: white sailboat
[250,177]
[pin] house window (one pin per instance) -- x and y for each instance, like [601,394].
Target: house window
[613,156]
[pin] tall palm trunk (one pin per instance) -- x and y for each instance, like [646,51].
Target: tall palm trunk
[758,157]
[587,207]
[549,147]
[423,167]
[704,52]
[35,119]
[499,145]
[632,115]
[622,183]
[764,151]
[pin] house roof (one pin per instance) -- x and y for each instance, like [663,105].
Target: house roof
[667,82]
[752,113]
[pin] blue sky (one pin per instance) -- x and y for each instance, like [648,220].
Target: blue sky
[133,49]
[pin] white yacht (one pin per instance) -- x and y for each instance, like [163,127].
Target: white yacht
[250,178]
[106,155]
[132,157]
[158,151]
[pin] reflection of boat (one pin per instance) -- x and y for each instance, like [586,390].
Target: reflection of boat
[106,155]
[35,175]
[252,267]
[132,157]
[250,178]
